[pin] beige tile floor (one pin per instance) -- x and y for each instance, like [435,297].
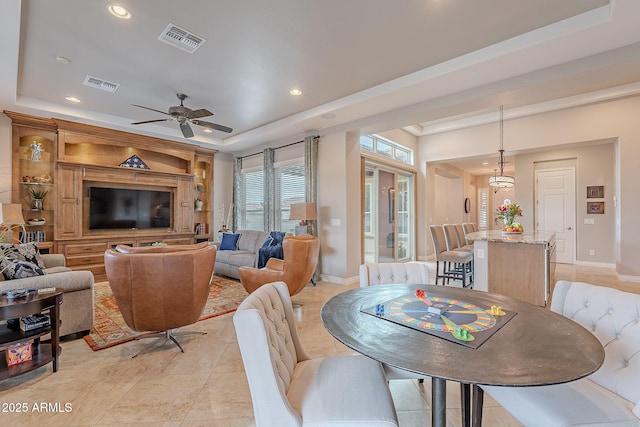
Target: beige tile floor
[206,385]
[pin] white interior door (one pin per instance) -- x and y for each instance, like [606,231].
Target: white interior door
[556,209]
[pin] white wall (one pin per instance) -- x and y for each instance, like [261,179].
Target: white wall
[222,190]
[594,165]
[332,204]
[615,120]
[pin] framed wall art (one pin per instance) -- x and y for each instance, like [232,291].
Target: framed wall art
[595,207]
[595,192]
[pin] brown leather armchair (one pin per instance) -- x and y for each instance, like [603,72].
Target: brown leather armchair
[296,269]
[160,288]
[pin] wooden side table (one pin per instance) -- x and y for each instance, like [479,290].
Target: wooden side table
[33,303]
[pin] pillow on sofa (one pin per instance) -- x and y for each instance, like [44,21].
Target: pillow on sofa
[229,242]
[13,268]
[23,252]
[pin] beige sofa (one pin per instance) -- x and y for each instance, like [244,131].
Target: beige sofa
[249,243]
[76,311]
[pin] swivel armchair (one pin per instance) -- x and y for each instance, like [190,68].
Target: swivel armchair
[160,288]
[296,269]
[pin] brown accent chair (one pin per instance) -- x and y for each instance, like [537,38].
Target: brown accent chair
[296,269]
[160,288]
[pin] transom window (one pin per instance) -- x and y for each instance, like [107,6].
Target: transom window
[387,148]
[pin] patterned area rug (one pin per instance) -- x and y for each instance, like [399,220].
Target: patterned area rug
[109,328]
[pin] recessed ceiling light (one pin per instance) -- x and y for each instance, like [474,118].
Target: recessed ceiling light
[207,130]
[485,163]
[72,99]
[63,60]
[119,11]
[295,92]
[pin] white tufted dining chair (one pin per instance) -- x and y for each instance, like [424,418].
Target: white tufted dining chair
[609,396]
[394,272]
[288,387]
[387,273]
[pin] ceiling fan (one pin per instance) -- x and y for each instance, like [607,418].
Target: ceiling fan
[185,115]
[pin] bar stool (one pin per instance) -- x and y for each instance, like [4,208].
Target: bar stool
[469,227]
[462,240]
[461,260]
[456,234]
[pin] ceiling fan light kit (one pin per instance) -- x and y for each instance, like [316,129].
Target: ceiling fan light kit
[185,115]
[502,180]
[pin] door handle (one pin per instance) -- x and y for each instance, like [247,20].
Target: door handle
[569,228]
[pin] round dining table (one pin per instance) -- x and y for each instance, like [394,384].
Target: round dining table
[535,347]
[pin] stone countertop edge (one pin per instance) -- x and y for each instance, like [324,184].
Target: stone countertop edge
[531,237]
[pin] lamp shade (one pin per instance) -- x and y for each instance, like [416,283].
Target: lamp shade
[303,211]
[11,214]
[501,181]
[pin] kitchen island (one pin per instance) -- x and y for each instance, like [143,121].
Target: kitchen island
[517,265]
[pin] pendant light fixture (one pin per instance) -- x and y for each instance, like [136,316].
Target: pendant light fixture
[502,180]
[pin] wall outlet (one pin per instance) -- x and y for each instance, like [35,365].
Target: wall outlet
[588,221]
[335,222]
[592,252]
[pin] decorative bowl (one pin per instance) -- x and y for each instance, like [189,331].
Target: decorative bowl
[39,222]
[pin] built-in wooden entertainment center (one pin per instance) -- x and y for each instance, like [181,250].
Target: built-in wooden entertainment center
[66,159]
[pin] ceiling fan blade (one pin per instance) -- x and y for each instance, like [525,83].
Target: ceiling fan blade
[196,114]
[152,109]
[187,132]
[212,126]
[150,121]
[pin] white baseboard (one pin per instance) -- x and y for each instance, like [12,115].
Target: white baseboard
[622,278]
[634,279]
[595,264]
[340,280]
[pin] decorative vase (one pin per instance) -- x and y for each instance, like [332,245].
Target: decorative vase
[199,204]
[37,204]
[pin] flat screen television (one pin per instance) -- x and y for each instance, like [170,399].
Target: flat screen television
[119,208]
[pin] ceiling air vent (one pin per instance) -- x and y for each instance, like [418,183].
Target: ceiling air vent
[100,84]
[180,38]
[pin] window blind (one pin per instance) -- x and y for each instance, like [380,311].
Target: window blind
[290,189]
[252,203]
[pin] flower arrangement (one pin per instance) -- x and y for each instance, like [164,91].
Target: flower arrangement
[508,212]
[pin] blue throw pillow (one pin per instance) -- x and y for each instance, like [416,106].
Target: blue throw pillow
[229,242]
[277,236]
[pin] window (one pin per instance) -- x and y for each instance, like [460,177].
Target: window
[366,143]
[483,214]
[368,220]
[252,204]
[385,147]
[268,183]
[290,189]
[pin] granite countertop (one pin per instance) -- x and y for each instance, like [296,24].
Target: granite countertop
[534,237]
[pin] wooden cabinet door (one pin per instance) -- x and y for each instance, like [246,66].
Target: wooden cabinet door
[185,202]
[69,209]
